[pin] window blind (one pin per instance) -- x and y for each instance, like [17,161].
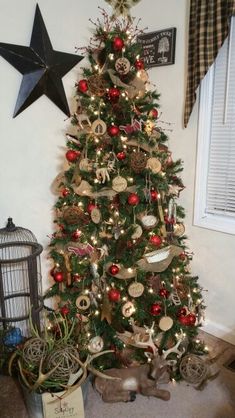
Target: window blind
[221,169]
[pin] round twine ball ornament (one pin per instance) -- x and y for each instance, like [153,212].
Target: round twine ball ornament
[97,85]
[63,357]
[33,350]
[193,369]
[138,161]
[72,215]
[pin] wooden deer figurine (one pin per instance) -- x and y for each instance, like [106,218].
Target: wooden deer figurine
[130,381]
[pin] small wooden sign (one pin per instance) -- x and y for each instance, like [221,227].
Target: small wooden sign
[158,47]
[62,405]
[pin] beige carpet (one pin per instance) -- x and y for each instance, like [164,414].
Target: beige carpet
[216,400]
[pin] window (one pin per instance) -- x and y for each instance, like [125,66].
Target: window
[215,172]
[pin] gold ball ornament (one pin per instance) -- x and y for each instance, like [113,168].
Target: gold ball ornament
[154,165]
[165,323]
[96,345]
[136,289]
[99,127]
[119,184]
[83,302]
[128,309]
[138,161]
[122,66]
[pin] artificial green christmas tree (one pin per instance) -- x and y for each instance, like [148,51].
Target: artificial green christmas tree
[121,269]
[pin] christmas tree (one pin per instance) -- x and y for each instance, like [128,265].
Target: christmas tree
[121,267]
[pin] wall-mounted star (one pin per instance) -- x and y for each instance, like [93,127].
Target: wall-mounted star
[41,66]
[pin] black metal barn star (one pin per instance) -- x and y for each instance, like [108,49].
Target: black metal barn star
[41,66]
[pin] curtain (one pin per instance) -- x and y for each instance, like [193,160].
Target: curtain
[208,28]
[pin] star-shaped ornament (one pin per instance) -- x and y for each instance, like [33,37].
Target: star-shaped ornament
[42,67]
[122,7]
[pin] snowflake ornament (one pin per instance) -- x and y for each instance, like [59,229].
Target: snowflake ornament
[122,7]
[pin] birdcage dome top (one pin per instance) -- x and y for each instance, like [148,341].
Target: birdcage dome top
[12,233]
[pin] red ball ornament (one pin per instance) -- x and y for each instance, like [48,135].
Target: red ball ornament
[82,86]
[114,94]
[154,195]
[133,199]
[182,312]
[184,320]
[155,240]
[183,256]
[153,113]
[139,64]
[121,155]
[90,207]
[155,309]
[64,310]
[114,295]
[76,235]
[58,276]
[118,43]
[65,192]
[164,293]
[114,269]
[113,130]
[191,318]
[72,155]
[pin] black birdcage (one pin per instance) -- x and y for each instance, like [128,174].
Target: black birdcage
[20,278]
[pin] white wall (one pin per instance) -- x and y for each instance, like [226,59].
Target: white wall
[32,145]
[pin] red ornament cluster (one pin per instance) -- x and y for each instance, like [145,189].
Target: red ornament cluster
[58,276]
[155,240]
[72,155]
[188,320]
[114,295]
[113,130]
[121,155]
[114,94]
[118,43]
[133,199]
[154,195]
[82,86]
[139,64]
[114,269]
[155,309]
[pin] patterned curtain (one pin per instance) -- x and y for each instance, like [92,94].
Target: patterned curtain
[208,28]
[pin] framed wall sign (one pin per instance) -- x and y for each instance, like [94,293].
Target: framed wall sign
[158,47]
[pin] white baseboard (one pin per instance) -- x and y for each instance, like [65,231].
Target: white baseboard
[219,331]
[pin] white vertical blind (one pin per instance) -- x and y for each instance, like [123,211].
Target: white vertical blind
[220,196]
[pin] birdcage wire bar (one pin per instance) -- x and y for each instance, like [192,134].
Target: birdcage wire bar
[20,278]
